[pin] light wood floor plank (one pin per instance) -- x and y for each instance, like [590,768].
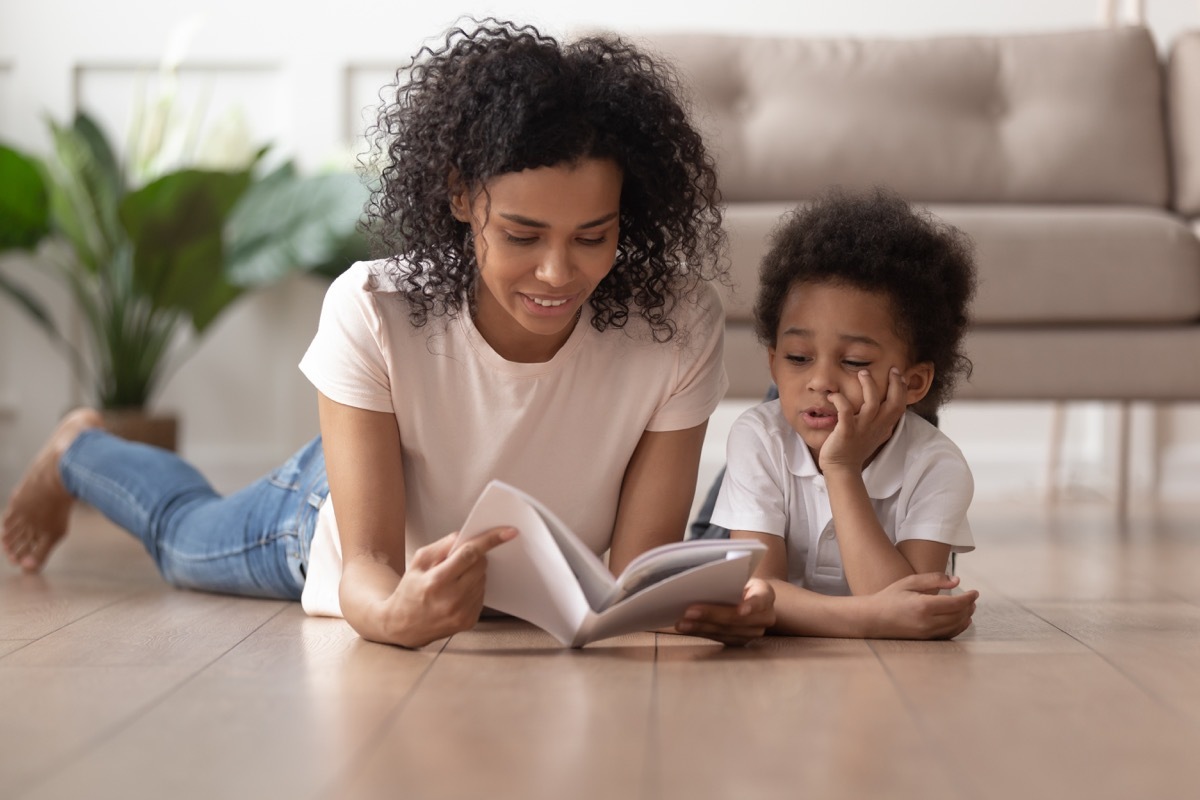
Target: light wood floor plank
[152,628]
[1155,644]
[1085,553]
[11,645]
[35,606]
[505,712]
[283,713]
[1076,680]
[50,715]
[1001,625]
[788,718]
[1045,724]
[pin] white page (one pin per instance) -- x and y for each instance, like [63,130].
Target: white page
[666,560]
[594,578]
[663,604]
[527,577]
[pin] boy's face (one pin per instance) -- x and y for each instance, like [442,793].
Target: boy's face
[828,333]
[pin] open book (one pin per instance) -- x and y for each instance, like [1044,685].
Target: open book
[547,576]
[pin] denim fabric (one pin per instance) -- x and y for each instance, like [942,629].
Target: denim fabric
[254,542]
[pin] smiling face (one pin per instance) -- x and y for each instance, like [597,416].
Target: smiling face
[544,238]
[828,333]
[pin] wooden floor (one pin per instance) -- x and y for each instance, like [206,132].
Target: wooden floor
[1079,679]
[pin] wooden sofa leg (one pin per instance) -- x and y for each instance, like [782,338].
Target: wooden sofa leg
[1058,433]
[1122,455]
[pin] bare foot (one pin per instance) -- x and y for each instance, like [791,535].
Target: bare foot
[40,507]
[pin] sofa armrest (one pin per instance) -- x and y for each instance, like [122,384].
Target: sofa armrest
[1183,109]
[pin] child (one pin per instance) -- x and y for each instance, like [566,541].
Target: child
[862,305]
[532,320]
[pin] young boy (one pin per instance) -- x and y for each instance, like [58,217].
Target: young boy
[862,304]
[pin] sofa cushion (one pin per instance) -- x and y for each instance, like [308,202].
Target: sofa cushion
[1069,265]
[1050,265]
[1183,83]
[1048,118]
[1138,362]
[1127,363]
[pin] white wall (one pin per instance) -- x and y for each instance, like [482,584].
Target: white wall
[300,79]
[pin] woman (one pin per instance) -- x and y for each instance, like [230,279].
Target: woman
[546,317]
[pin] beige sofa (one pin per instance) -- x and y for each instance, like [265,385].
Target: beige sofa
[1072,159]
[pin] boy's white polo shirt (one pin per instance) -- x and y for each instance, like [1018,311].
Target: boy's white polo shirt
[919,484]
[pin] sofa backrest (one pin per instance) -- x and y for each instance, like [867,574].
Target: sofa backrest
[1183,108]
[1071,117]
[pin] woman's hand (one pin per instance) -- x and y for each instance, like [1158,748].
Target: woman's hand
[861,431]
[911,609]
[733,625]
[441,592]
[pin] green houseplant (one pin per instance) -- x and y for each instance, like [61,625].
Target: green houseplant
[143,263]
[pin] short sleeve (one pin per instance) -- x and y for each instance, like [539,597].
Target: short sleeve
[700,380]
[934,502]
[753,496]
[347,360]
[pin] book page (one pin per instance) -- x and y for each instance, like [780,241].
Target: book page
[594,578]
[662,562]
[527,577]
[662,604]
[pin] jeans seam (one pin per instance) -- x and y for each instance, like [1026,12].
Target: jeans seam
[261,542]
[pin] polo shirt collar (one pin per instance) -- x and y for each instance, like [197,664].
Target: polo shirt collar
[882,476]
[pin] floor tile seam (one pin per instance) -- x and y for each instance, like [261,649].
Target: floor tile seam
[960,780]
[24,643]
[336,785]
[1023,604]
[114,730]
[651,783]
[1153,695]
[65,625]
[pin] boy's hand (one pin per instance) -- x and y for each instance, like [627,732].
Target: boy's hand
[862,431]
[911,608]
[733,625]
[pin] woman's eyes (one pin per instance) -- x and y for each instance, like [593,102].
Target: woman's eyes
[526,240]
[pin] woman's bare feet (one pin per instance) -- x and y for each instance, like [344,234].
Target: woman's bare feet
[40,507]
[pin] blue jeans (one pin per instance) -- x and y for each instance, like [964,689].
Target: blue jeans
[254,542]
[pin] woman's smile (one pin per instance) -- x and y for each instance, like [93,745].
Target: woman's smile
[544,239]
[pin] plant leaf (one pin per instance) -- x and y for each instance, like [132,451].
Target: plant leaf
[286,224]
[107,173]
[176,225]
[352,249]
[32,306]
[41,317]
[24,201]
[85,191]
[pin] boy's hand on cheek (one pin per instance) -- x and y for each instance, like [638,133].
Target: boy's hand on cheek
[862,431]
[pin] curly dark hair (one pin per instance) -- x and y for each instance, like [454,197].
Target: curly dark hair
[503,98]
[877,242]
